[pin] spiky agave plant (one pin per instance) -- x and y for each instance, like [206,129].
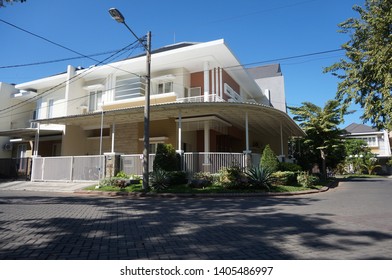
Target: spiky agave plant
[260,177]
[159,179]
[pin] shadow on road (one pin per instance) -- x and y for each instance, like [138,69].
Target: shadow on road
[66,227]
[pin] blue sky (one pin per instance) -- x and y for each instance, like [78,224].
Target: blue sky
[255,30]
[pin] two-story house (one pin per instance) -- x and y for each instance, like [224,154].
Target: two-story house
[202,101]
[377,141]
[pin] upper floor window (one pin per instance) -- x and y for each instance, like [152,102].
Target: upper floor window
[129,86]
[50,108]
[165,87]
[95,99]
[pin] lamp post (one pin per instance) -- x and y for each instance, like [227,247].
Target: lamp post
[115,14]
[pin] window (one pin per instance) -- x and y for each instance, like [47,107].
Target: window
[165,87]
[50,108]
[94,100]
[196,91]
[128,87]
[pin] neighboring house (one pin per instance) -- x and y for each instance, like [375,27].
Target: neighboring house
[271,81]
[377,141]
[202,100]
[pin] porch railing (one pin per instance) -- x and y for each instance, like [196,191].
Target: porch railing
[202,98]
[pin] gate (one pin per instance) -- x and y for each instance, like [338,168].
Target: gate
[68,168]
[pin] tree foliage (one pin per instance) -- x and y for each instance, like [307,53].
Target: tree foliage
[166,158]
[321,126]
[366,72]
[269,160]
[2,4]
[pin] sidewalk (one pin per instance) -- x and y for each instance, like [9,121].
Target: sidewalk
[44,186]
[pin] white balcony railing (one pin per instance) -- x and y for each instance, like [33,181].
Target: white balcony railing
[201,98]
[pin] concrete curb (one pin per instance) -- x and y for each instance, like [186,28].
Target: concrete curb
[182,195]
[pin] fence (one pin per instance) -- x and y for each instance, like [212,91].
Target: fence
[69,168]
[190,162]
[87,168]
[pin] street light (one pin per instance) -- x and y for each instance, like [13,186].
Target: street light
[116,15]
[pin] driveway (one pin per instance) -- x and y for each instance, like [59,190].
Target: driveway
[352,221]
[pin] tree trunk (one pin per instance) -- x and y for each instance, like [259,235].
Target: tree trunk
[324,165]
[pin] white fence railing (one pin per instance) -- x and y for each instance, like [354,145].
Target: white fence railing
[91,168]
[202,98]
[68,168]
[190,162]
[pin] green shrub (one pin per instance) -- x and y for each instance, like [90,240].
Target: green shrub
[122,174]
[288,166]
[259,177]
[178,177]
[166,158]
[285,178]
[201,180]
[159,179]
[269,160]
[307,180]
[233,176]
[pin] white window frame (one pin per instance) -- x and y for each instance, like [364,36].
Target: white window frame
[49,108]
[95,99]
[165,87]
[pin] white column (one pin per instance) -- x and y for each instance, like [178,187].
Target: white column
[36,141]
[113,134]
[206,80]
[179,150]
[221,83]
[217,82]
[281,143]
[247,134]
[213,82]
[206,141]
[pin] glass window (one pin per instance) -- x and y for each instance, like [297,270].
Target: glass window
[165,87]
[94,100]
[50,108]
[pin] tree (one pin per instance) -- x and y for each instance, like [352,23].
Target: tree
[269,160]
[355,151]
[321,127]
[166,158]
[366,75]
[10,1]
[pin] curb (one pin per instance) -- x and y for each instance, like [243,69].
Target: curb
[334,184]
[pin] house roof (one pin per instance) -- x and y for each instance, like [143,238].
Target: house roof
[262,119]
[355,128]
[266,71]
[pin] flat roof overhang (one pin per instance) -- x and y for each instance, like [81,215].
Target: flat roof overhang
[27,134]
[261,119]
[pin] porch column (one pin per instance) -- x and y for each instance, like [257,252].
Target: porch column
[247,152]
[113,134]
[36,141]
[179,146]
[282,155]
[206,80]
[206,163]
[220,83]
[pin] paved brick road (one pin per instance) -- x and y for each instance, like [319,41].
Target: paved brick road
[353,221]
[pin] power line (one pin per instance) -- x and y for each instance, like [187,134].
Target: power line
[285,58]
[73,79]
[56,60]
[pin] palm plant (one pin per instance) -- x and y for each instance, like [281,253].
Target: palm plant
[321,126]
